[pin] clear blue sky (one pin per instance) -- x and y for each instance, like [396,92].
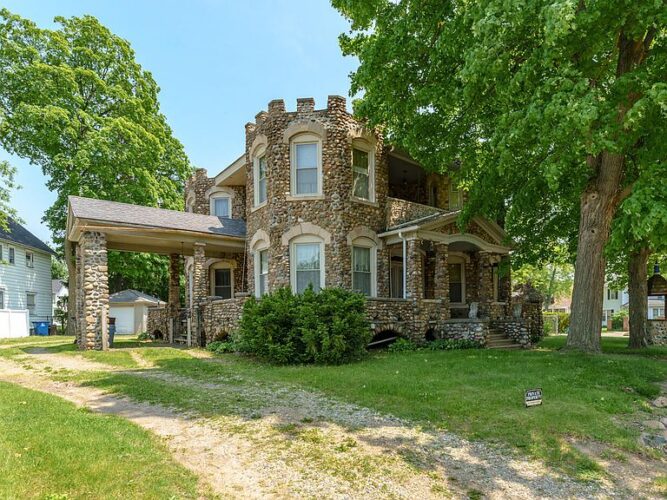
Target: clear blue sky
[217,62]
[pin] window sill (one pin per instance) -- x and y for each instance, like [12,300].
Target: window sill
[255,208]
[365,202]
[308,197]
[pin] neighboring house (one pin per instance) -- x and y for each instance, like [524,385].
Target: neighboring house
[59,292]
[315,200]
[130,309]
[25,273]
[561,305]
[613,300]
[656,308]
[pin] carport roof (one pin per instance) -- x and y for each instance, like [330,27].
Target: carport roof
[137,215]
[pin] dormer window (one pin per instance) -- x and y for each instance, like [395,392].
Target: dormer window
[306,163]
[221,206]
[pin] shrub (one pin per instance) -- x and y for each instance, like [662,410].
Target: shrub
[144,336]
[221,347]
[617,319]
[451,344]
[563,322]
[328,327]
[402,345]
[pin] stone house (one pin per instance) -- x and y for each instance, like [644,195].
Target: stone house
[316,200]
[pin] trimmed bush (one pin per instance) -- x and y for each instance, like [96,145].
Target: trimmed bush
[328,327]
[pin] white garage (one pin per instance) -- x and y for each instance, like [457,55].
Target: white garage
[130,310]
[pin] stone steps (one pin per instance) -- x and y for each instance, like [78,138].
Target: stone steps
[497,340]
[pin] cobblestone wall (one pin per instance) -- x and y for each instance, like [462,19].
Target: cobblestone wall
[515,329]
[93,290]
[221,317]
[476,330]
[400,211]
[658,331]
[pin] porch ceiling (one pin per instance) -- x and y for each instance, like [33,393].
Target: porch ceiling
[135,228]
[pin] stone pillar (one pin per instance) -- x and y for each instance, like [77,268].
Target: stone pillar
[415,270]
[485,284]
[174,285]
[200,288]
[94,291]
[441,285]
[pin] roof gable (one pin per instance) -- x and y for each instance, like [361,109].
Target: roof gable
[18,234]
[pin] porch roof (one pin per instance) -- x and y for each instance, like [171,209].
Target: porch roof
[147,229]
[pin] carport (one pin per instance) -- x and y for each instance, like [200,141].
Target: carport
[95,226]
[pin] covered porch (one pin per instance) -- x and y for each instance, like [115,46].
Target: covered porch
[96,226]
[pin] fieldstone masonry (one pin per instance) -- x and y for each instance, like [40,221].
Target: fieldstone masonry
[93,291]
[658,331]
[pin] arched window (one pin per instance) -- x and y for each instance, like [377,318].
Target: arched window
[363,171]
[220,199]
[307,263]
[259,246]
[221,277]
[259,176]
[364,266]
[306,165]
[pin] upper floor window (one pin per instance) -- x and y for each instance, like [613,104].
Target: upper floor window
[29,259]
[12,255]
[221,206]
[306,164]
[612,294]
[260,180]
[307,263]
[363,172]
[2,299]
[1,256]
[455,198]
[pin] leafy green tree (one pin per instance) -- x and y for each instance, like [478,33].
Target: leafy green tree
[75,103]
[7,173]
[58,269]
[552,280]
[554,109]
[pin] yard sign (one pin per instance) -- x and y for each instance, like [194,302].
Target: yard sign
[533,397]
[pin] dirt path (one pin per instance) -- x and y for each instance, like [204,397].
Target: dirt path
[285,442]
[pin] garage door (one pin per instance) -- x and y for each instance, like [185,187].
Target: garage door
[124,318]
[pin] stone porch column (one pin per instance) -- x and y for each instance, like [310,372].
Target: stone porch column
[93,291]
[200,288]
[415,270]
[174,302]
[441,285]
[485,284]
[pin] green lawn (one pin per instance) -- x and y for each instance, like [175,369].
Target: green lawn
[51,449]
[476,393]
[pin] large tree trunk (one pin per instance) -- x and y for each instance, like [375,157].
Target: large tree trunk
[638,291]
[598,205]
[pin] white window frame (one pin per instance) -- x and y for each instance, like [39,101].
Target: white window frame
[453,260]
[258,270]
[1,254]
[11,256]
[294,142]
[220,196]
[29,259]
[211,277]
[363,242]
[261,153]
[365,147]
[2,298]
[308,239]
[455,191]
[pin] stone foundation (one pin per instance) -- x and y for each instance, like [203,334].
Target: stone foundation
[220,317]
[158,321]
[476,330]
[516,329]
[658,331]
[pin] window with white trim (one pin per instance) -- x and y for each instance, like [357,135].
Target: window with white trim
[307,263]
[29,259]
[12,255]
[455,199]
[261,272]
[30,301]
[612,294]
[456,282]
[221,206]
[361,270]
[306,165]
[1,256]
[260,179]
[363,172]
[2,299]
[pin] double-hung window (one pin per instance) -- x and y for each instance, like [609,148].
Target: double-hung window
[2,299]
[12,255]
[30,301]
[222,284]
[262,272]
[362,270]
[29,259]
[308,267]
[306,166]
[455,201]
[260,186]
[361,174]
[222,206]
[455,283]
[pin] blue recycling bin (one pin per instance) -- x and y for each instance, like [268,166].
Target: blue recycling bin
[41,327]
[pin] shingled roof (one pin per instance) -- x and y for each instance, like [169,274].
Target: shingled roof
[114,212]
[20,235]
[129,295]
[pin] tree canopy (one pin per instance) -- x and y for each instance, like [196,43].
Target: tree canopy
[556,111]
[74,102]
